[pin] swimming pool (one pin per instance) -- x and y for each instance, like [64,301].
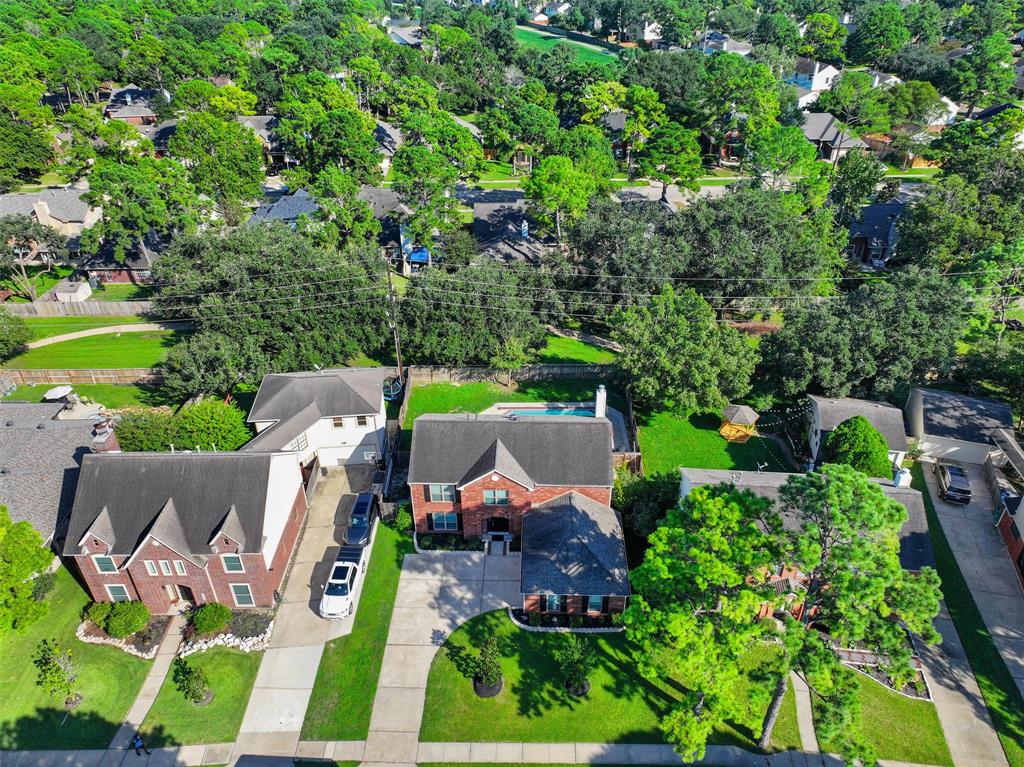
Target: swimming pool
[586,412]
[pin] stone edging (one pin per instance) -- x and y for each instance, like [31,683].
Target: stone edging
[243,644]
[562,629]
[927,697]
[120,644]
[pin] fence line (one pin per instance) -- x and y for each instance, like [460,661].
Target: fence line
[419,374]
[20,377]
[80,309]
[578,37]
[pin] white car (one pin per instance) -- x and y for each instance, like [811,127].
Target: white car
[336,603]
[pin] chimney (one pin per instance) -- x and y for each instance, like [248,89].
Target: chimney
[601,402]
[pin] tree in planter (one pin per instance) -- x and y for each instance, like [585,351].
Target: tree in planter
[576,661]
[855,442]
[56,670]
[191,681]
[487,668]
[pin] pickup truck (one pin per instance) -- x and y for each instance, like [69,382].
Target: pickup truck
[336,602]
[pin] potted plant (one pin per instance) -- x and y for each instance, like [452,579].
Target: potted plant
[57,672]
[576,661]
[487,679]
[191,682]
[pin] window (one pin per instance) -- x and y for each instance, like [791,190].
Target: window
[362,420]
[299,443]
[445,521]
[496,497]
[242,594]
[232,563]
[595,604]
[179,567]
[104,564]
[338,423]
[165,567]
[151,567]
[552,603]
[442,493]
[117,592]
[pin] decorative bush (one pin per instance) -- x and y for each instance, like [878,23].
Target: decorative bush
[576,661]
[126,618]
[210,618]
[403,519]
[857,443]
[576,621]
[98,612]
[535,618]
[426,541]
[191,681]
[42,585]
[487,669]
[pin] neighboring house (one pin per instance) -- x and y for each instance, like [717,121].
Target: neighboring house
[719,42]
[882,79]
[915,543]
[556,9]
[642,32]
[946,116]
[1009,506]
[160,134]
[40,455]
[287,209]
[826,413]
[1017,89]
[274,154]
[391,212]
[63,210]
[405,32]
[136,268]
[389,139]
[133,105]
[832,141]
[614,124]
[874,235]
[324,418]
[955,426]
[813,76]
[987,114]
[179,529]
[502,230]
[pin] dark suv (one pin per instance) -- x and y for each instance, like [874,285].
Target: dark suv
[363,512]
[954,486]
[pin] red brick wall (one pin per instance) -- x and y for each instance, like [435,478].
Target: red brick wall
[573,604]
[470,503]
[1014,547]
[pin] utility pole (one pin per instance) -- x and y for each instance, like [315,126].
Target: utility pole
[393,315]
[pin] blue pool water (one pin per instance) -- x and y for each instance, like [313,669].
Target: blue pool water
[554,411]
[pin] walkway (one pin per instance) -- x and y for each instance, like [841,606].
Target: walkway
[135,327]
[151,687]
[437,592]
[804,714]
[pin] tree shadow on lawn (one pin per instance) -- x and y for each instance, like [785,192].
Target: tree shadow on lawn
[53,728]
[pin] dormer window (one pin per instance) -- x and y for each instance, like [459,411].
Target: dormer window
[104,565]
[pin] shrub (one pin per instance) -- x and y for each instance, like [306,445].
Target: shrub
[576,660]
[98,612]
[403,519]
[42,585]
[191,681]
[126,618]
[576,621]
[857,443]
[210,618]
[426,541]
[487,668]
[534,618]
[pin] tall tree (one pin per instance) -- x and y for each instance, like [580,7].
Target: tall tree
[986,74]
[858,175]
[21,238]
[881,31]
[858,444]
[22,557]
[558,191]
[672,156]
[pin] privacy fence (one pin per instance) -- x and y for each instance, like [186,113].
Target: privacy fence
[19,377]
[80,309]
[420,374]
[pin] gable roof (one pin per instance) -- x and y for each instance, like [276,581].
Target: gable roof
[498,228]
[958,416]
[263,126]
[573,451]
[821,127]
[383,201]
[884,417]
[573,545]
[287,208]
[335,392]
[179,498]
[915,543]
[64,205]
[498,458]
[877,222]
[388,137]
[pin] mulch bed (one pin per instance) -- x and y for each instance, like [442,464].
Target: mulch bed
[145,641]
[562,621]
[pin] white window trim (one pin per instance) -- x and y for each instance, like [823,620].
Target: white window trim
[109,586]
[224,566]
[150,567]
[600,603]
[234,598]
[494,493]
[430,490]
[165,567]
[96,563]
[179,567]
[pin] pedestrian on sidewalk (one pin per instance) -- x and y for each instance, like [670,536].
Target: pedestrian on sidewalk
[139,745]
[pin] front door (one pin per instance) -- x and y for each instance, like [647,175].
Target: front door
[185,595]
[497,536]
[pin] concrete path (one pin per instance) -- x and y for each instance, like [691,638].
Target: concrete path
[154,680]
[437,592]
[135,327]
[985,565]
[804,714]
[284,684]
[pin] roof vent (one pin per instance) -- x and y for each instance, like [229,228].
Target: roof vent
[10,423]
[5,469]
[41,426]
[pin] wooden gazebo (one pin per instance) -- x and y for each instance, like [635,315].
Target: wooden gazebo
[738,423]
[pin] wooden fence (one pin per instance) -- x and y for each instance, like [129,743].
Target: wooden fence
[420,374]
[20,377]
[80,309]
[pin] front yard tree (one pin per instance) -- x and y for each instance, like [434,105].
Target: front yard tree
[56,671]
[558,191]
[20,238]
[858,175]
[998,274]
[576,660]
[14,334]
[423,180]
[692,613]
[22,557]
[858,444]
[671,156]
[676,355]
[823,37]
[644,112]
[211,363]
[881,31]
[190,680]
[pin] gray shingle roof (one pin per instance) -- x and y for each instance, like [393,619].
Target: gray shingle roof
[336,392]
[957,416]
[574,451]
[383,201]
[573,545]
[288,208]
[498,458]
[824,128]
[915,544]
[388,137]
[263,126]
[498,228]
[278,436]
[884,417]
[183,497]
[64,205]
[39,467]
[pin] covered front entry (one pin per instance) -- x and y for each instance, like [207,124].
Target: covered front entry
[497,536]
[180,597]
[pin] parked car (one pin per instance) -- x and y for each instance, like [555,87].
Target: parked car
[953,483]
[364,511]
[336,603]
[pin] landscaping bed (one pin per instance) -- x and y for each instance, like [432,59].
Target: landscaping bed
[539,620]
[445,542]
[246,631]
[142,644]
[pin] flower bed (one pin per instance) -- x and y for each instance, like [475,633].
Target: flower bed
[577,624]
[917,688]
[446,542]
[247,631]
[142,644]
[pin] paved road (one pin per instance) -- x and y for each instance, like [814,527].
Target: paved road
[135,327]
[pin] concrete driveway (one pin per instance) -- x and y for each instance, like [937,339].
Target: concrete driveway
[986,567]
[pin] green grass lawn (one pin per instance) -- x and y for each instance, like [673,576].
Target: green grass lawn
[621,707]
[124,350]
[899,728]
[112,396]
[48,327]
[545,41]
[997,686]
[346,681]
[174,721]
[108,679]
[668,442]
[561,350]
[121,291]
[46,281]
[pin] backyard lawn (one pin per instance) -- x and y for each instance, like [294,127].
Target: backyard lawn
[45,282]
[108,678]
[668,442]
[174,721]
[121,291]
[111,396]
[346,681]
[545,41]
[997,686]
[560,350]
[116,350]
[47,327]
[621,707]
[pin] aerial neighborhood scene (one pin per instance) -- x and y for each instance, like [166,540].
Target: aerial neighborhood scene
[432,383]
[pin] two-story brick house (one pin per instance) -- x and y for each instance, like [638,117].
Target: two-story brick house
[175,529]
[542,481]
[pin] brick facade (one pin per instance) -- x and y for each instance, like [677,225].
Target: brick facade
[1013,537]
[572,604]
[469,502]
[207,584]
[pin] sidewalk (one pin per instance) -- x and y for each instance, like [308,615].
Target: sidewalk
[135,327]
